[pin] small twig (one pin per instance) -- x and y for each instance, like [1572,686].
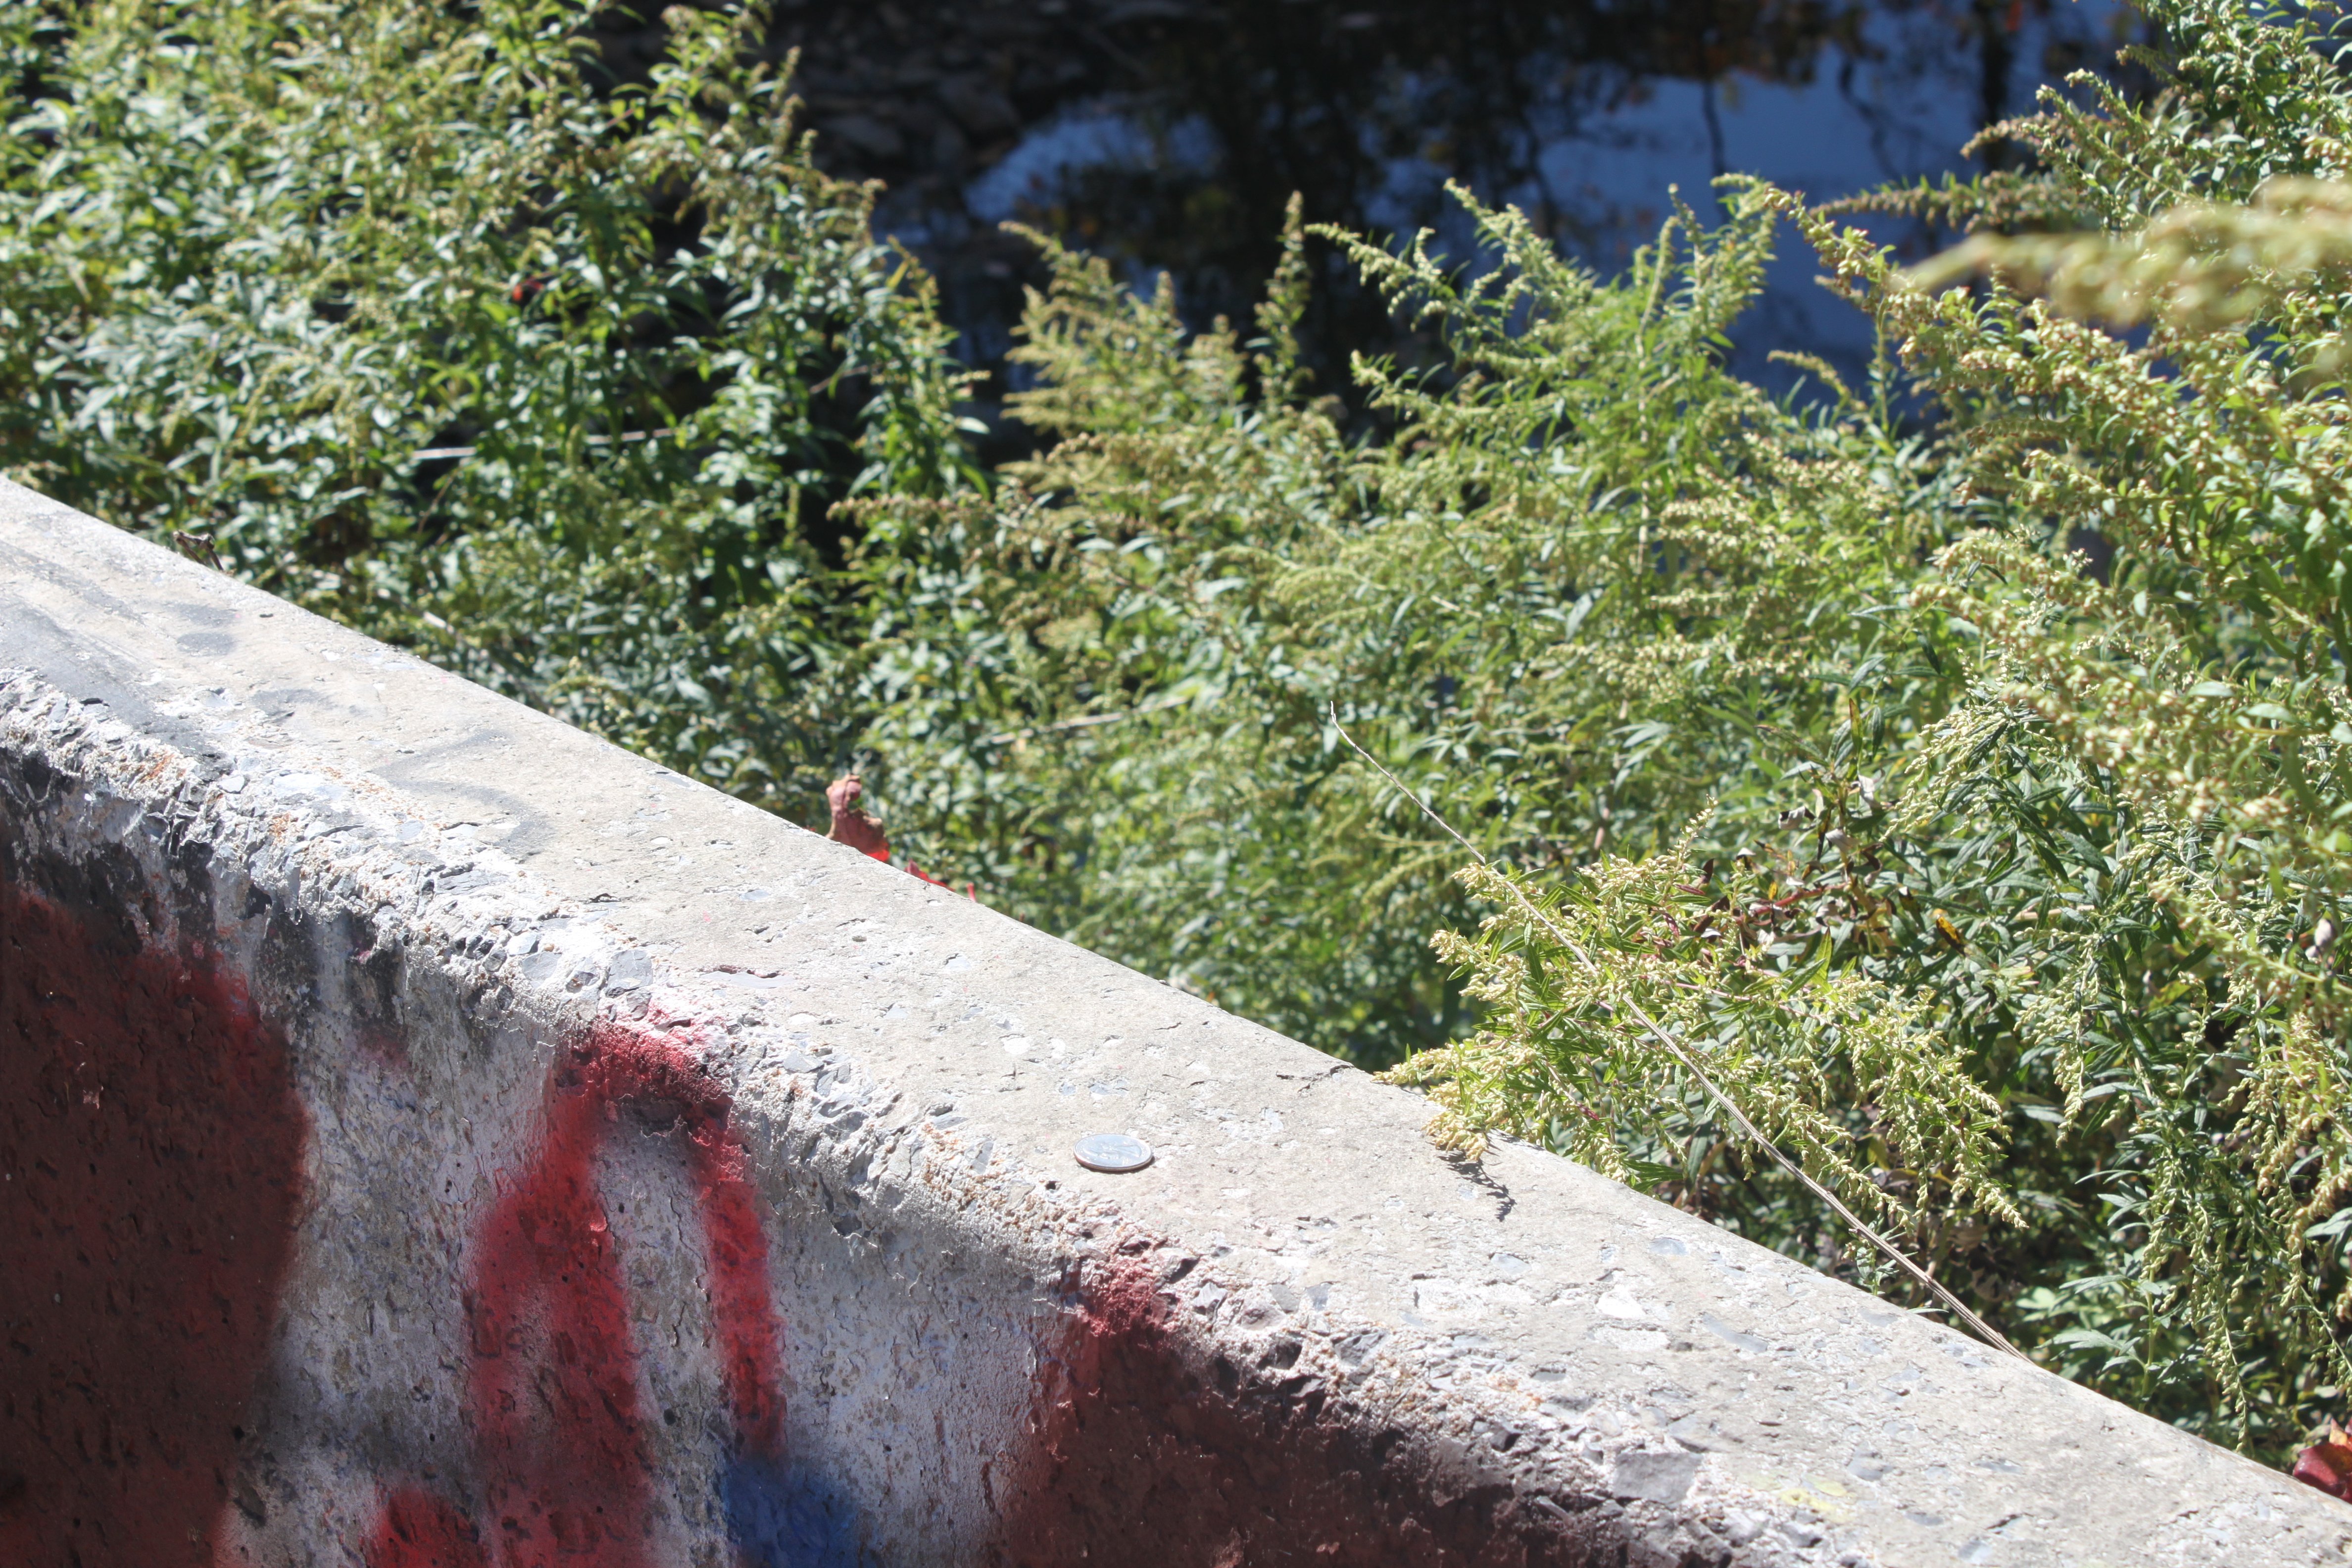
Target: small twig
[458,454]
[438,625]
[1886,1248]
[1085,721]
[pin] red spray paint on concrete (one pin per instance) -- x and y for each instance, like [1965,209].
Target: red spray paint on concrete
[1141,1450]
[418,1530]
[152,1141]
[553,1386]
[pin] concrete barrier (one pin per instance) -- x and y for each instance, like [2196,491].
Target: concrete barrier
[429,1135]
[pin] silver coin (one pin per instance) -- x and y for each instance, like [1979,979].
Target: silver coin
[1113,1152]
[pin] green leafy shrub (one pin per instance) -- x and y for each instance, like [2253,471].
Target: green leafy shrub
[1185,583]
[421,323]
[1966,802]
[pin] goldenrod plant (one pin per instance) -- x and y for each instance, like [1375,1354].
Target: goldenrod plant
[1939,781]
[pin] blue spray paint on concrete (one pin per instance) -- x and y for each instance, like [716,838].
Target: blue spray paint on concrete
[788,1516]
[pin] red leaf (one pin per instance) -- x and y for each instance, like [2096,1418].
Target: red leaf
[851,825]
[2327,1464]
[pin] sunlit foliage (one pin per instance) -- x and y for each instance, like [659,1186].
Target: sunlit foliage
[1952,768]
[416,318]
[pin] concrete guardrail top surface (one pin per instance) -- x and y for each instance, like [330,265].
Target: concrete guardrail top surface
[430,1135]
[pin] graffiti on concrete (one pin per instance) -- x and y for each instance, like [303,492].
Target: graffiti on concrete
[552,1387]
[151,1142]
[150,1147]
[155,1143]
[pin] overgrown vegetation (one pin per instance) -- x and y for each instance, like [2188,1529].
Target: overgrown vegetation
[1953,770]
[425,324]
[1958,786]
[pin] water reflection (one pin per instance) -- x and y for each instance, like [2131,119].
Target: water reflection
[1168,134]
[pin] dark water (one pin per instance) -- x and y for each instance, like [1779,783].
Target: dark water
[1167,134]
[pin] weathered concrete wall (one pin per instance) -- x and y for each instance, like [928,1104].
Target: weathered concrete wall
[431,1136]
